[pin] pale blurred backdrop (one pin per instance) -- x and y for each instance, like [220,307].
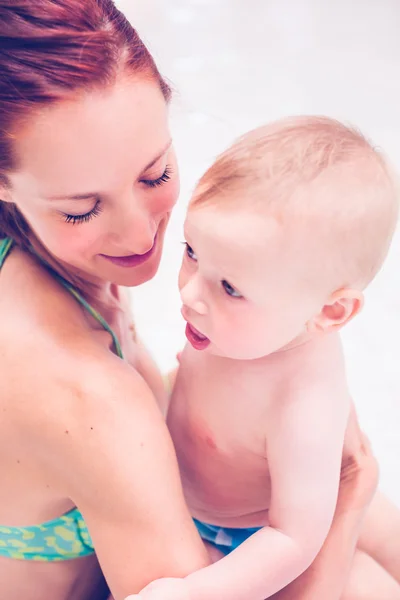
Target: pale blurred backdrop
[235,64]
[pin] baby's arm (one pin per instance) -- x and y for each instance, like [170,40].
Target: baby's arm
[304,448]
[329,573]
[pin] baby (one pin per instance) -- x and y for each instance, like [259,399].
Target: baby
[283,234]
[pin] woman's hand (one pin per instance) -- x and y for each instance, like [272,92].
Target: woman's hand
[170,588]
[359,473]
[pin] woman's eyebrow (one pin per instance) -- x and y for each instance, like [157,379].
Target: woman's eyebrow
[159,155]
[73,196]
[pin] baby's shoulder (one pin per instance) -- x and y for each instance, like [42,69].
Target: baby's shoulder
[317,367]
[312,385]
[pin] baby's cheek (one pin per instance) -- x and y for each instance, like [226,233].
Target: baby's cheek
[249,335]
[236,334]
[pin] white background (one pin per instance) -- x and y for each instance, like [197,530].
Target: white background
[235,64]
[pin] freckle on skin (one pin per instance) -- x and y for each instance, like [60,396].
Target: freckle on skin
[66,431]
[18,461]
[210,442]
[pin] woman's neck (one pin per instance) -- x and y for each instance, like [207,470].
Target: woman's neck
[102,295]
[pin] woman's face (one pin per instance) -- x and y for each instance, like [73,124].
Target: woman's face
[97,179]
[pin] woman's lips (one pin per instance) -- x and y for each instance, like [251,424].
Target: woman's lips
[133,260]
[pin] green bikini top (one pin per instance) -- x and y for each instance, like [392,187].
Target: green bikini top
[65,537]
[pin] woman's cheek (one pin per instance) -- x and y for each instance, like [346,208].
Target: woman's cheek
[71,242]
[171,195]
[168,193]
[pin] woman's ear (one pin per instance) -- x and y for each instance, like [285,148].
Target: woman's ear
[342,306]
[5,193]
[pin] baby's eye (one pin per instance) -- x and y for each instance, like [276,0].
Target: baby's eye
[230,290]
[190,252]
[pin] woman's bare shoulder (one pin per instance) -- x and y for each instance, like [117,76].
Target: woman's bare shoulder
[84,417]
[105,416]
[56,368]
[32,302]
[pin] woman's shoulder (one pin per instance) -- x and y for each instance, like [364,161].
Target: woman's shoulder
[32,300]
[51,354]
[81,401]
[92,421]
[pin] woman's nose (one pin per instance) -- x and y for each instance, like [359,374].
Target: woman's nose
[134,228]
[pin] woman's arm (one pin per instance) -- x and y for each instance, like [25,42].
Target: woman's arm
[328,575]
[114,458]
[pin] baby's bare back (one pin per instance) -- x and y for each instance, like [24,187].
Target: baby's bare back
[218,418]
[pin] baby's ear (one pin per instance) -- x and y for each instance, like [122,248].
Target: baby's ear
[341,307]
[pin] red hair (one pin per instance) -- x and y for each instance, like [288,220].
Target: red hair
[50,49]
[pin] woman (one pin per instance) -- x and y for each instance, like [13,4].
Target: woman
[88,179]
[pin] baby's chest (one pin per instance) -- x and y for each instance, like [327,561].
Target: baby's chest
[219,418]
[220,442]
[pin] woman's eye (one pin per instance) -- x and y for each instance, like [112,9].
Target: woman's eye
[190,252]
[96,210]
[166,176]
[230,290]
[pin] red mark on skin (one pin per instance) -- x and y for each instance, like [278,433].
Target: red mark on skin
[210,442]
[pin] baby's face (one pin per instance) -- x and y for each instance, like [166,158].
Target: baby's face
[240,284]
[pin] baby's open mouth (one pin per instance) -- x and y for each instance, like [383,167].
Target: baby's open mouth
[196,338]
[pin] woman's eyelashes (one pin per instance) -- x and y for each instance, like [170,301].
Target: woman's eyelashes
[96,210]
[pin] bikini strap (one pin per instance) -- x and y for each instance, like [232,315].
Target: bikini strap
[92,311]
[5,246]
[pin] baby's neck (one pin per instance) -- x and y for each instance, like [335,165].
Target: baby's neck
[303,339]
[300,348]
